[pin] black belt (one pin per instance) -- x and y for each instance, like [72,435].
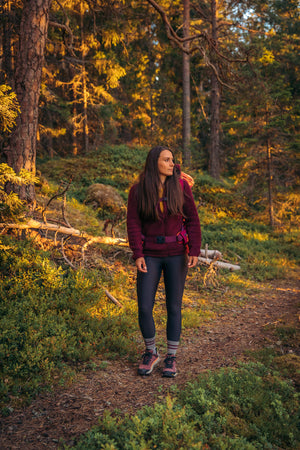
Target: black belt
[162,239]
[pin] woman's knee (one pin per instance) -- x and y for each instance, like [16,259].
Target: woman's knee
[174,310]
[145,311]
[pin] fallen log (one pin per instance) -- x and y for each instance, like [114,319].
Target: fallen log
[221,264]
[212,257]
[206,256]
[35,224]
[212,254]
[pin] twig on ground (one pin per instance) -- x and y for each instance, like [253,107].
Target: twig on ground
[113,299]
[64,256]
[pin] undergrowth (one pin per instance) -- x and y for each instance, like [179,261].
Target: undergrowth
[244,408]
[52,319]
[117,166]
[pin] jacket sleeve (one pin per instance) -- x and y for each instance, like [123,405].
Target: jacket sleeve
[134,225]
[192,221]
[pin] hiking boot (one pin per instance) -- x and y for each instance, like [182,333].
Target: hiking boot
[170,366]
[149,361]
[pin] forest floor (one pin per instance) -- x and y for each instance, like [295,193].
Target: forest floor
[64,414]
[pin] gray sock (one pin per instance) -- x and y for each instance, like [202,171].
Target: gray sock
[150,344]
[172,347]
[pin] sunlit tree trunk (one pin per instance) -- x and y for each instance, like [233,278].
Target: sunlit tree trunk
[85,120]
[21,153]
[214,166]
[74,131]
[214,147]
[186,109]
[270,184]
[73,95]
[84,87]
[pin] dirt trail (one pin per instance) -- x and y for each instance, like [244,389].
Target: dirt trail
[67,413]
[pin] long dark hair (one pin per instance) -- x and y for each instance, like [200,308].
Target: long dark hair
[149,184]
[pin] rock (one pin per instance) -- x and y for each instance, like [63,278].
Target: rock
[104,196]
[109,202]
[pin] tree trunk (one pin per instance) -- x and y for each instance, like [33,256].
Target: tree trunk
[186,108]
[214,166]
[214,147]
[74,114]
[74,130]
[73,97]
[21,152]
[84,88]
[270,184]
[85,120]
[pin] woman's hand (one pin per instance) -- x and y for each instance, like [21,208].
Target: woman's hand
[192,261]
[141,265]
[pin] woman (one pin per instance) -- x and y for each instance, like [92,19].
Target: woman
[164,234]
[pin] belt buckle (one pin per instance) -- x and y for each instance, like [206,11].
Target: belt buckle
[160,239]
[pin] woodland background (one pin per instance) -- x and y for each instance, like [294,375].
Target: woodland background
[86,89]
[217,81]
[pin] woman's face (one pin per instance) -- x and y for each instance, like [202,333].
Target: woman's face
[165,164]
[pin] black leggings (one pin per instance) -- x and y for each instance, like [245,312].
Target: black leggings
[174,269]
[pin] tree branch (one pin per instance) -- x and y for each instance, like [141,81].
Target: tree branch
[241,27]
[213,68]
[65,27]
[58,194]
[200,11]
[199,100]
[172,35]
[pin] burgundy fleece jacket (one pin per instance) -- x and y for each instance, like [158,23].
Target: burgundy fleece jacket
[167,226]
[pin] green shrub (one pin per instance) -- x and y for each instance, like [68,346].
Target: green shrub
[244,408]
[249,402]
[47,319]
[263,255]
[117,166]
[11,206]
[9,108]
[220,196]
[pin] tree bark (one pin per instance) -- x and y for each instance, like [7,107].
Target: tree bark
[84,87]
[21,152]
[270,184]
[74,129]
[214,166]
[186,88]
[74,114]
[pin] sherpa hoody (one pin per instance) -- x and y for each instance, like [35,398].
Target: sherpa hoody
[167,225]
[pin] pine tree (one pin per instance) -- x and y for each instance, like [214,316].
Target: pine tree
[21,152]
[262,127]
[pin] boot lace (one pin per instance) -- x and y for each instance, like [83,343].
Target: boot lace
[147,358]
[169,361]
